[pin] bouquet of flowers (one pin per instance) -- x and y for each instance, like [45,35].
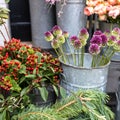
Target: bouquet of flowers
[108,10]
[102,45]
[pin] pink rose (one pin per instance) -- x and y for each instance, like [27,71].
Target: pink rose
[114,13]
[88,11]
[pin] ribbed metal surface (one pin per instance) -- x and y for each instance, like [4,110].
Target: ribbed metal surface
[75,78]
[42,20]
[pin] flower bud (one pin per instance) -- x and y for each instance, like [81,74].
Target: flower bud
[55,43]
[57,30]
[94,49]
[61,39]
[48,36]
[66,34]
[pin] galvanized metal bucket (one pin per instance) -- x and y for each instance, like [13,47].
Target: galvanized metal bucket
[42,20]
[75,78]
[72,18]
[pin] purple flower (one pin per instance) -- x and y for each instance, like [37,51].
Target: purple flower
[83,34]
[104,39]
[77,44]
[66,34]
[117,45]
[57,30]
[94,49]
[48,36]
[73,38]
[96,39]
[111,41]
[97,32]
[116,31]
[83,31]
[112,38]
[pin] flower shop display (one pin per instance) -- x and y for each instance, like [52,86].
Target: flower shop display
[80,69]
[90,105]
[43,18]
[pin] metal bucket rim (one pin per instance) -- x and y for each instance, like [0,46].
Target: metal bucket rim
[70,65]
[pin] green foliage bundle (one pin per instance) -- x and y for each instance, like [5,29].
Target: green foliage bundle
[83,105]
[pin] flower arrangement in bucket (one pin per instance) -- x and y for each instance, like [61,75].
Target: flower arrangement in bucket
[107,10]
[79,67]
[102,45]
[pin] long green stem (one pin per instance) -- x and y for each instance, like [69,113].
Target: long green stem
[82,56]
[73,55]
[61,50]
[93,61]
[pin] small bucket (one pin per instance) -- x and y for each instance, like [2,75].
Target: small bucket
[75,78]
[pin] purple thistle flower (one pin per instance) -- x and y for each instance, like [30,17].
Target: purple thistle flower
[97,32]
[104,39]
[57,30]
[96,39]
[84,34]
[117,45]
[73,38]
[111,41]
[112,38]
[66,34]
[116,31]
[77,44]
[94,49]
[83,31]
[48,36]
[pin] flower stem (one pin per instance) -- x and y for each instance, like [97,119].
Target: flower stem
[73,55]
[61,50]
[93,61]
[82,56]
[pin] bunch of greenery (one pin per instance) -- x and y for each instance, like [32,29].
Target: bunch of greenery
[83,105]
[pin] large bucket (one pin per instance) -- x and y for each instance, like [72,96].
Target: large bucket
[42,20]
[75,78]
[72,19]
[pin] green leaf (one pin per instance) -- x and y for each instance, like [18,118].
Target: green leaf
[24,91]
[21,79]
[15,86]
[55,89]
[39,56]
[31,51]
[34,71]
[1,97]
[44,93]
[22,69]
[3,115]
[30,76]
[62,92]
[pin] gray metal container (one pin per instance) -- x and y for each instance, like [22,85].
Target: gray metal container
[75,78]
[42,19]
[72,19]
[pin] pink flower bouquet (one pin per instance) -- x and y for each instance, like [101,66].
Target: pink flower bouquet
[105,9]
